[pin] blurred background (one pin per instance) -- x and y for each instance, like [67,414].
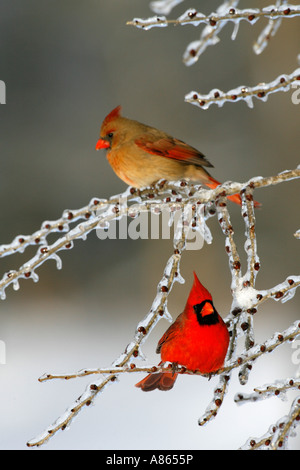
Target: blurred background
[66,64]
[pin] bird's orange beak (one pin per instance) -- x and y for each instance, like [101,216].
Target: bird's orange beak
[102,144]
[207,309]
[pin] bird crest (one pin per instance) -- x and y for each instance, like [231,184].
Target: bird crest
[114,114]
[198,293]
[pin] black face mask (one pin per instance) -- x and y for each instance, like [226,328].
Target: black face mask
[210,319]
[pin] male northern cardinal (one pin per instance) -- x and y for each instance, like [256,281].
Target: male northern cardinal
[141,155]
[198,340]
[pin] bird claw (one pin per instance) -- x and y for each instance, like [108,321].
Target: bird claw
[174,368]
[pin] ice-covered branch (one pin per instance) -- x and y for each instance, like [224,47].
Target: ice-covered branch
[214,23]
[158,310]
[192,17]
[245,301]
[219,392]
[269,31]
[269,346]
[99,213]
[278,388]
[279,433]
[244,93]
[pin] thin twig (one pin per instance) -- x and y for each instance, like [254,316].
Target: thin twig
[233,15]
[157,311]
[261,91]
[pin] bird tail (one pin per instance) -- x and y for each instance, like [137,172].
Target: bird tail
[234,198]
[160,380]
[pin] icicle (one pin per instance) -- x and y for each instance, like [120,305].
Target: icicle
[164,7]
[16,284]
[235,31]
[57,259]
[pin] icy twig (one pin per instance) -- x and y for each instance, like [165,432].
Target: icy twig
[269,31]
[226,12]
[214,22]
[215,404]
[243,306]
[244,93]
[283,291]
[245,359]
[249,278]
[96,215]
[46,251]
[179,193]
[278,434]
[219,392]
[171,194]
[191,16]
[286,426]
[157,311]
[269,346]
[241,283]
[278,388]
[248,214]
[230,246]
[208,35]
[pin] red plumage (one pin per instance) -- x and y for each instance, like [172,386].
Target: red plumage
[198,340]
[114,114]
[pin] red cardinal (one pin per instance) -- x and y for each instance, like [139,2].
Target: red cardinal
[141,155]
[198,340]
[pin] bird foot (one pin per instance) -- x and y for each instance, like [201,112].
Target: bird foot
[174,368]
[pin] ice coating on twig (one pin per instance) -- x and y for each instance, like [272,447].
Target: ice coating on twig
[164,7]
[154,21]
[246,298]
[226,13]
[213,24]
[277,437]
[269,31]
[244,93]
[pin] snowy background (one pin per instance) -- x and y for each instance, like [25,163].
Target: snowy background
[66,64]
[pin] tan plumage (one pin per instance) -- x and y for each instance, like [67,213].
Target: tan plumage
[141,155]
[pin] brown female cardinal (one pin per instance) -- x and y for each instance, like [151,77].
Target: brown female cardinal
[141,155]
[198,340]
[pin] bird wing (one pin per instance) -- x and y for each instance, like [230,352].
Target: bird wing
[171,333]
[169,147]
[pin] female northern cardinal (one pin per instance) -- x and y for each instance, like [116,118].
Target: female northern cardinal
[198,340]
[141,155]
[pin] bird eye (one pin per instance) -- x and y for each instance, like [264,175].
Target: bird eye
[110,135]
